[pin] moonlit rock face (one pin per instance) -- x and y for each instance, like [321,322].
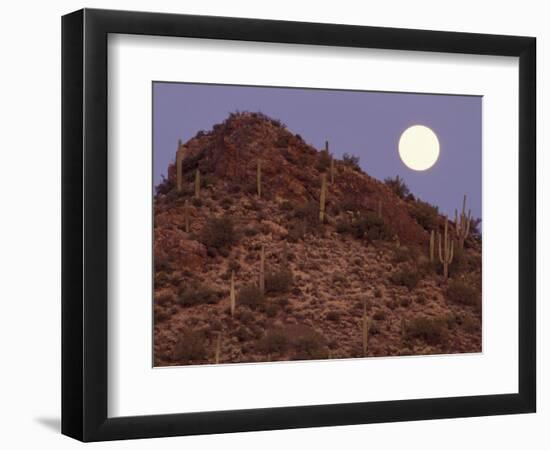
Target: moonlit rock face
[418,147]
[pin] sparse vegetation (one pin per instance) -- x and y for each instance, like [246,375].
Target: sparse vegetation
[407,277]
[218,233]
[196,293]
[351,161]
[425,214]
[431,331]
[461,292]
[398,186]
[279,281]
[275,341]
[267,258]
[190,345]
[250,295]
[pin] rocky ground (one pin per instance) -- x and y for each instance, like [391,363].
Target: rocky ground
[360,283]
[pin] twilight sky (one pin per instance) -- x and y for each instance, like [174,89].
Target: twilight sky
[366,124]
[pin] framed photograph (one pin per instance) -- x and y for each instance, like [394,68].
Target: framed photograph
[273,224]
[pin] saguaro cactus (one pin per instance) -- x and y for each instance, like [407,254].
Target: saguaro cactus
[262,270]
[432,245]
[365,328]
[179,159]
[322,199]
[462,224]
[198,183]
[232,297]
[446,255]
[332,170]
[380,209]
[218,347]
[259,178]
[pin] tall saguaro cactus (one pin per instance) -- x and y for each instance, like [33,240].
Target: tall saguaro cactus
[262,270]
[259,179]
[197,183]
[365,328]
[332,170]
[462,224]
[446,255]
[432,246]
[322,199]
[232,297]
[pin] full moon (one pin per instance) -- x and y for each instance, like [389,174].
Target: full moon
[419,147]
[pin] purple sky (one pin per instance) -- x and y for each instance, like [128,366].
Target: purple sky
[366,124]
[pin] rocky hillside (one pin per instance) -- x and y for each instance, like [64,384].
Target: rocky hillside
[248,270]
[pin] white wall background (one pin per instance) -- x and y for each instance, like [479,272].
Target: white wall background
[30,226]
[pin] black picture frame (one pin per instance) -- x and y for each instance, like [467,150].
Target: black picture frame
[84,224]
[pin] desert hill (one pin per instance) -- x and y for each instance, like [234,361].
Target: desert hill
[252,265]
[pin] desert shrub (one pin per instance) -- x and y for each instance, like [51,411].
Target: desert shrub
[233,265]
[250,231]
[404,254]
[311,345]
[343,226]
[274,341]
[282,140]
[374,227]
[250,295]
[351,161]
[190,345]
[308,212]
[377,292]
[351,201]
[165,298]
[287,206]
[398,186]
[475,227]
[392,304]
[406,277]
[161,314]
[323,161]
[459,291]
[425,214]
[245,316]
[218,233]
[470,324]
[279,281]
[296,231]
[405,301]
[197,202]
[379,315]
[432,331]
[366,225]
[243,334]
[339,278]
[333,316]
[421,299]
[226,203]
[196,293]
[271,310]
